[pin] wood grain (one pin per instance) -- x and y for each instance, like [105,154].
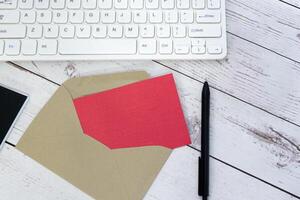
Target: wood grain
[21,177]
[269,147]
[225,182]
[252,74]
[268,23]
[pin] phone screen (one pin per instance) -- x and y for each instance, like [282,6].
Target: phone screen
[11,103]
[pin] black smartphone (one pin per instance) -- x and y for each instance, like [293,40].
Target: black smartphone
[11,104]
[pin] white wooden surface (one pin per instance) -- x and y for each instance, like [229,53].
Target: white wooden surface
[255,122]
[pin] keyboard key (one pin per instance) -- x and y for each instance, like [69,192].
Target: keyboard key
[28,17]
[115,31]
[186,17]
[165,46]
[198,42]
[67,31]
[140,17]
[92,17]
[99,31]
[12,47]
[121,4]
[123,17]
[108,17]
[198,4]
[155,17]
[8,4]
[179,31]
[44,17]
[163,31]
[171,17]
[181,49]
[208,16]
[182,46]
[168,4]
[213,4]
[35,31]
[41,4]
[50,31]
[29,47]
[152,4]
[58,4]
[198,49]
[97,47]
[136,4]
[9,17]
[1,47]
[47,47]
[131,31]
[73,4]
[147,31]
[183,4]
[26,4]
[89,4]
[147,46]
[76,17]
[12,31]
[214,49]
[60,17]
[83,31]
[105,4]
[205,30]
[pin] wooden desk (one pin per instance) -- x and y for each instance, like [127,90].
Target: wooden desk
[255,122]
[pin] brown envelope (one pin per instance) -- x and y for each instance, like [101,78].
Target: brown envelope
[55,139]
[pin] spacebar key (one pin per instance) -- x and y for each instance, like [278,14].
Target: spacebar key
[97,47]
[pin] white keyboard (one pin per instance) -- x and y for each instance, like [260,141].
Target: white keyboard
[112,29]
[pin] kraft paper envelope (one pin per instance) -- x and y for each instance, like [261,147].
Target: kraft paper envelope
[55,139]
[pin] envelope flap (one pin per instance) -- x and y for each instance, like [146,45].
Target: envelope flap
[54,120]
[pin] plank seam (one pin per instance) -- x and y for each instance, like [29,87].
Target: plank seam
[291,59]
[289,4]
[24,69]
[262,109]
[225,163]
[10,144]
[251,175]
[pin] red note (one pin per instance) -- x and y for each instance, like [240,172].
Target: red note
[145,113]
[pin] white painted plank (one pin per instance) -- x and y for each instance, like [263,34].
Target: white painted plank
[242,135]
[269,23]
[246,137]
[252,74]
[21,177]
[225,182]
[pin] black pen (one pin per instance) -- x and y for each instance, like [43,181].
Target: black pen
[203,176]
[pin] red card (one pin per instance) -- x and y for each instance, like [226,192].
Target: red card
[145,113]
